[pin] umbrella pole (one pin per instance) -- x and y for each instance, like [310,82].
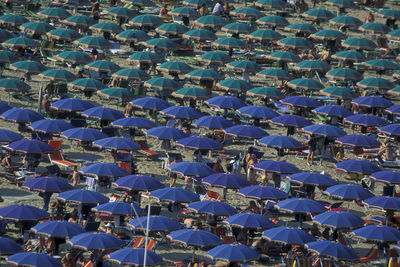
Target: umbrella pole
[147,236]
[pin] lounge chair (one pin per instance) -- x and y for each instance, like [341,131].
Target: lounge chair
[138,242]
[151,244]
[144,150]
[372,255]
[57,158]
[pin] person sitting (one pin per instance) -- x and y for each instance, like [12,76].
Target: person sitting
[386,151]
[45,103]
[68,260]
[369,18]
[163,11]
[6,161]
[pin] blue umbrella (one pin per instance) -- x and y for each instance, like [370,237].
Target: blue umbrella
[181,112]
[134,256]
[276,166]
[246,131]
[83,134]
[83,197]
[366,120]
[71,104]
[166,133]
[30,146]
[47,184]
[95,240]
[150,103]
[357,166]
[9,136]
[279,141]
[333,110]
[136,122]
[233,253]
[101,113]
[50,126]
[339,220]
[103,169]
[257,112]
[119,208]
[384,203]
[191,169]
[358,140]
[4,107]
[21,115]
[324,130]
[9,246]
[301,101]
[333,250]
[194,238]
[60,229]
[33,259]
[156,224]
[20,213]
[224,180]
[388,177]
[177,195]
[287,236]
[199,143]
[118,143]
[372,101]
[375,233]
[226,102]
[215,208]
[138,183]
[290,120]
[299,206]
[348,192]
[310,178]
[249,221]
[213,122]
[262,192]
[395,110]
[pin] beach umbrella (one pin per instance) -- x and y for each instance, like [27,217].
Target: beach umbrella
[134,257]
[215,57]
[58,75]
[156,224]
[133,36]
[8,56]
[54,13]
[394,35]
[290,120]
[122,94]
[101,113]
[359,43]
[13,19]
[278,74]
[301,27]
[265,35]
[33,259]
[300,206]
[138,183]
[381,64]
[354,56]
[394,91]
[13,85]
[295,42]
[199,143]
[366,120]
[266,92]
[200,35]
[374,28]
[306,84]
[131,74]
[83,134]
[71,104]
[340,3]
[358,140]
[383,202]
[175,67]
[391,129]
[191,93]
[95,240]
[177,195]
[136,122]
[231,84]
[275,21]
[198,3]
[244,66]
[210,21]
[32,67]
[333,250]
[338,92]
[318,14]
[287,236]
[103,66]
[21,115]
[191,169]
[237,27]
[87,84]
[117,143]
[146,20]
[79,21]
[58,229]
[324,130]
[82,197]
[215,208]
[339,220]
[372,102]
[262,193]
[181,112]
[47,184]
[119,208]
[96,42]
[389,13]
[141,3]
[249,221]
[357,166]
[387,177]
[344,74]
[74,57]
[213,122]
[204,74]
[282,167]
[106,27]
[233,253]
[375,233]
[150,103]
[223,180]
[225,102]
[9,246]
[278,141]
[30,146]
[22,213]
[247,12]
[194,238]
[301,101]
[36,27]
[312,65]
[229,43]
[310,178]
[120,12]
[184,12]
[161,43]
[257,112]
[332,110]
[3,108]
[165,133]
[246,131]
[283,56]
[348,192]
[394,110]
[375,83]
[9,136]
[270,3]
[103,169]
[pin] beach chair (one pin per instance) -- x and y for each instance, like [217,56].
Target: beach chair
[57,158]
[213,195]
[144,150]
[126,166]
[151,244]
[56,144]
[372,255]
[138,242]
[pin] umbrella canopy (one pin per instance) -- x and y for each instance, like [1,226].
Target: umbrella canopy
[279,141]
[339,220]
[273,21]
[5,35]
[357,166]
[184,12]
[79,21]
[393,110]
[287,236]
[134,256]
[96,42]
[9,136]
[306,84]
[132,36]
[9,246]
[103,169]
[83,197]
[146,20]
[181,112]
[119,208]
[383,202]
[204,74]
[366,120]
[338,92]
[162,43]
[333,250]
[301,27]
[231,84]
[86,84]
[249,221]
[266,92]
[229,43]
[283,56]
[244,66]
[324,130]
[388,177]
[210,21]
[344,74]
[359,43]
[13,19]
[74,57]
[340,3]
[21,213]
[141,3]
[161,83]
[191,169]
[30,146]
[318,14]
[233,253]
[215,208]
[117,143]
[47,184]
[103,65]
[191,93]
[276,166]
[225,102]
[271,4]
[348,192]
[200,35]
[165,133]
[95,240]
[83,134]
[136,122]
[58,75]
[354,56]
[301,101]
[246,131]
[237,27]
[328,35]
[175,67]
[54,13]
[333,110]
[31,67]
[21,115]
[120,12]
[33,259]
[257,112]
[101,113]
[278,74]
[224,180]
[375,233]
[213,122]
[265,35]
[295,42]
[36,27]
[71,104]
[299,206]
[394,35]
[290,120]
[199,143]
[156,224]
[21,42]
[382,64]
[3,108]
[8,57]
[177,195]
[262,193]
[138,183]
[375,83]
[121,94]
[310,178]
[194,238]
[374,28]
[358,140]
[312,65]
[150,103]
[389,13]
[59,229]
[147,57]
[13,85]
[131,74]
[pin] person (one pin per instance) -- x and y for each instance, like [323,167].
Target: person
[251,173]
[236,166]
[49,89]
[95,54]
[264,179]
[74,217]
[386,151]
[46,199]
[253,208]
[203,10]
[68,260]
[96,11]
[369,18]
[6,161]
[45,103]
[57,209]
[163,11]
[76,177]
[276,178]
[312,147]
[247,158]
[218,8]
[218,167]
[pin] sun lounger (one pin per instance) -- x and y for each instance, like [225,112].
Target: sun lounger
[372,255]
[144,149]
[57,158]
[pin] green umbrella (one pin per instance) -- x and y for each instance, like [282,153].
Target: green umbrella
[98,42]
[32,67]
[340,3]
[22,42]
[58,75]
[12,19]
[86,84]
[133,36]
[394,35]
[213,57]
[359,43]
[237,27]
[146,20]
[295,42]
[328,35]
[318,14]
[161,83]
[103,65]
[64,34]
[395,91]
[191,93]
[389,13]
[247,12]
[344,74]
[145,57]
[265,35]
[79,21]
[338,92]
[244,66]
[204,74]
[396,74]
[312,65]
[234,85]
[54,13]
[374,28]
[78,2]
[140,3]
[175,67]
[200,35]
[347,21]
[120,12]
[36,27]
[307,84]
[13,85]
[5,35]
[172,28]
[271,4]
[116,93]
[162,43]
[275,21]
[8,57]
[106,27]
[301,27]
[284,56]
[354,56]
[229,43]
[198,3]
[74,57]
[266,92]
[381,64]
[131,75]
[210,21]
[184,12]
[375,83]
[278,74]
